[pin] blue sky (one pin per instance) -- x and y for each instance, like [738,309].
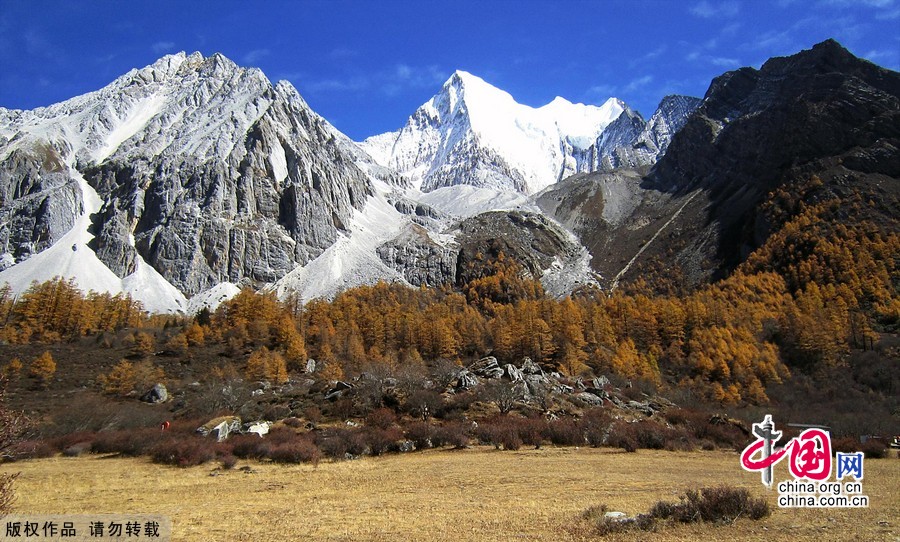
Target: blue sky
[366,65]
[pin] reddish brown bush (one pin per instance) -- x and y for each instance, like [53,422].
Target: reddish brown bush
[281,435]
[342,409]
[451,434]
[339,443]
[720,504]
[699,426]
[64,442]
[313,414]
[249,446]
[502,432]
[299,451]
[621,437]
[29,449]
[649,434]
[564,432]
[184,452]
[421,434]
[296,423]
[77,449]
[381,418]
[531,431]
[380,441]
[133,443]
[595,425]
[228,461]
[873,449]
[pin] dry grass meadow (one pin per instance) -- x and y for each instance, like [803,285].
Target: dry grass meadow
[464,495]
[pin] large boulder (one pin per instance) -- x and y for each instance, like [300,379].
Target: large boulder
[529,367]
[465,380]
[487,368]
[589,398]
[338,390]
[513,373]
[157,394]
[258,428]
[220,427]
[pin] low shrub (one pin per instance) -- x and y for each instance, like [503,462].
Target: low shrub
[421,434]
[300,451]
[65,442]
[502,433]
[228,461]
[184,452]
[379,441]
[718,505]
[532,431]
[249,446]
[381,418]
[281,435]
[132,443]
[77,449]
[873,449]
[564,432]
[721,504]
[595,425]
[450,434]
[649,434]
[621,437]
[339,443]
[296,423]
[29,449]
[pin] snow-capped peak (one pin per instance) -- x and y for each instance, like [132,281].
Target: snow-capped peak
[473,133]
[152,180]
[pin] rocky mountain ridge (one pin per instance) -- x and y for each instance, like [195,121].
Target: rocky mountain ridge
[193,176]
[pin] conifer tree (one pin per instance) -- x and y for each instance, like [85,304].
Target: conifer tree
[42,369]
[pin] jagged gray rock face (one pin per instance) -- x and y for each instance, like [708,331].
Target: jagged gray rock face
[38,201]
[206,170]
[530,239]
[513,373]
[421,260]
[630,142]
[615,147]
[527,238]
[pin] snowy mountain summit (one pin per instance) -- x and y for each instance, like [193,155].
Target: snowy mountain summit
[472,133]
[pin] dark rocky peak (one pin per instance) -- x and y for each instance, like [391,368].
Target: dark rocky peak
[808,74]
[754,124]
[826,57]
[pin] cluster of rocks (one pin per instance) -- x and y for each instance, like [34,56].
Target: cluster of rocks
[537,383]
[223,426]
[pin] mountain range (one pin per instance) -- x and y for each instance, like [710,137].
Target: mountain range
[185,180]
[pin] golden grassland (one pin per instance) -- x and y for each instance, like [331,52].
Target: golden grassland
[460,495]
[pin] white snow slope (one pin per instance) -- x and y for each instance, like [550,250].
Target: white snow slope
[71,258]
[352,260]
